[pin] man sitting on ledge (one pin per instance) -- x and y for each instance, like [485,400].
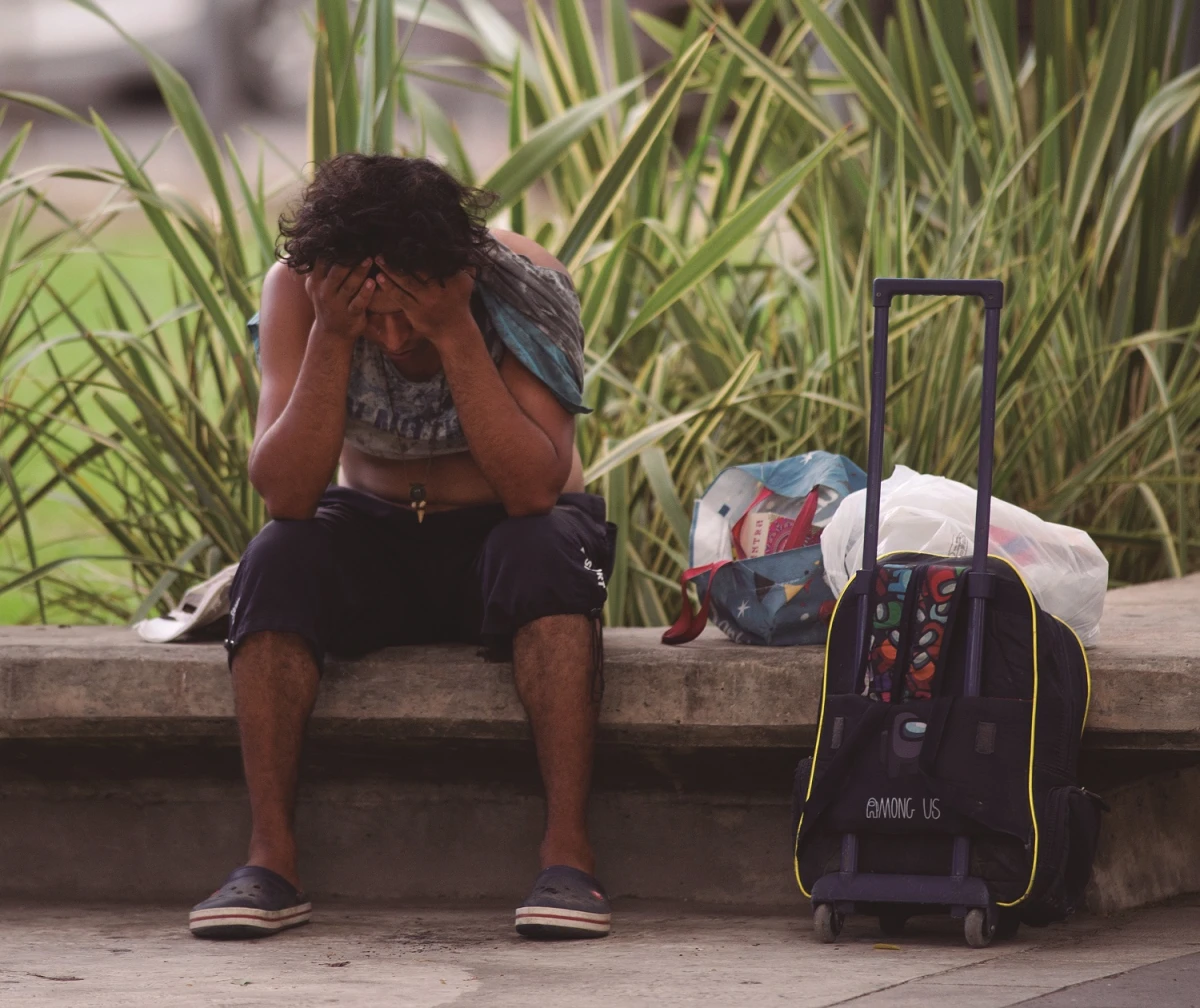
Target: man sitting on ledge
[441,365]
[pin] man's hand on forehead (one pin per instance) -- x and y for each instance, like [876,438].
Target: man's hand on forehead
[340,295]
[435,308]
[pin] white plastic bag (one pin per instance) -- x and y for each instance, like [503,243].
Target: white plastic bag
[1064,569]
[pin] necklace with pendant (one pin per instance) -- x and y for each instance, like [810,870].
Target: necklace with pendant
[416,491]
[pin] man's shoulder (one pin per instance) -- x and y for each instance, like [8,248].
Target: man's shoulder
[529,248]
[286,304]
[281,278]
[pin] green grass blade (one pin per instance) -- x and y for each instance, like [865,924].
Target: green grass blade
[26,530]
[716,249]
[547,145]
[14,149]
[43,105]
[377,110]
[256,209]
[780,82]
[617,176]
[622,49]
[1002,90]
[1101,113]
[435,14]
[658,474]
[960,103]
[1170,553]
[580,46]
[1176,100]
[873,90]
[444,133]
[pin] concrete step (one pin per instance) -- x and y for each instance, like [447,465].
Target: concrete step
[119,771]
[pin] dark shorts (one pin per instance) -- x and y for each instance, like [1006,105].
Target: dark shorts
[362,574]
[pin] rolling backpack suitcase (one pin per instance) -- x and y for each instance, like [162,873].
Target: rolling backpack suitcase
[943,777]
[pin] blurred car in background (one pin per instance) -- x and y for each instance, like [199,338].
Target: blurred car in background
[255,51]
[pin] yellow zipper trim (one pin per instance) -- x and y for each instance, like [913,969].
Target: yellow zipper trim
[1032,733]
[1087,671]
[812,770]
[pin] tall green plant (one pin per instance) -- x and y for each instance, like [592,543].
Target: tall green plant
[723,210]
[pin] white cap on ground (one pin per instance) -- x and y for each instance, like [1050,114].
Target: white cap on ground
[201,605]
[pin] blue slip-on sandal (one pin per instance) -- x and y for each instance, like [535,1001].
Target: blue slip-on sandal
[253,902]
[565,903]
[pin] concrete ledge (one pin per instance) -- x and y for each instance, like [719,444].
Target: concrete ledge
[120,777]
[102,682]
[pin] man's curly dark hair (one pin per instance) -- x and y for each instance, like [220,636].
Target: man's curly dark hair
[411,211]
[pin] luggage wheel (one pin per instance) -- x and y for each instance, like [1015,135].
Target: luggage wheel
[979,927]
[827,923]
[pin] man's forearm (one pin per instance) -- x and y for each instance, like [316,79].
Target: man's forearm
[518,459]
[295,459]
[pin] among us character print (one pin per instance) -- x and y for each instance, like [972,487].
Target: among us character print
[891,586]
[931,620]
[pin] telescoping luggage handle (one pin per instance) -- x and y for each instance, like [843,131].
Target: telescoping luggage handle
[991,292]
[844,885]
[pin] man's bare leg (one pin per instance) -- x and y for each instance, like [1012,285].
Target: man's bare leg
[275,685]
[553,668]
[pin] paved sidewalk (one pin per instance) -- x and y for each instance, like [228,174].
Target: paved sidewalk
[132,957]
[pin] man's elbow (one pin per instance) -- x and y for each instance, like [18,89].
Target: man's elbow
[290,512]
[286,507]
[531,505]
[281,504]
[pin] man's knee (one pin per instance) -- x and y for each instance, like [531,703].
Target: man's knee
[551,550]
[272,647]
[542,565]
[282,588]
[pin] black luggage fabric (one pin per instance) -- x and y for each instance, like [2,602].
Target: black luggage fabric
[924,756]
[1033,829]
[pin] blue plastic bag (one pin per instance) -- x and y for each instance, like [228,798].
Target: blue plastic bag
[779,597]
